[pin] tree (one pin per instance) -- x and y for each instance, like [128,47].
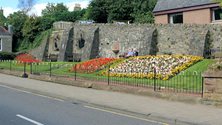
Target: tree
[120,10]
[31,28]
[17,20]
[52,9]
[2,19]
[144,17]
[98,10]
[103,11]
[218,1]
[26,5]
[142,12]
[51,14]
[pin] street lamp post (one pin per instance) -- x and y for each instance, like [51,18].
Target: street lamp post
[25,75]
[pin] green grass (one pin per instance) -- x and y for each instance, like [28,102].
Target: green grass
[44,67]
[188,80]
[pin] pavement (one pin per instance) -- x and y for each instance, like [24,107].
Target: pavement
[177,113]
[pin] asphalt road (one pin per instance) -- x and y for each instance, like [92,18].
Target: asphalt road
[23,108]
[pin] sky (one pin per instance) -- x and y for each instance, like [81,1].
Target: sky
[10,6]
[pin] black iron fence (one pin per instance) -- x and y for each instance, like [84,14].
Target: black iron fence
[184,82]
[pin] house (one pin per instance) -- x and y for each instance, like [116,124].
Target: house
[5,40]
[187,11]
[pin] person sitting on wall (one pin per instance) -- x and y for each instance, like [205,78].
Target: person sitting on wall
[123,55]
[135,52]
[130,53]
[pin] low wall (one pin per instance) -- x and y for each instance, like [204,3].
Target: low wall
[213,85]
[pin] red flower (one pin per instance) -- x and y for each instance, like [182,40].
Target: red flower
[27,58]
[92,65]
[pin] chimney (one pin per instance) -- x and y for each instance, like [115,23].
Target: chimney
[10,29]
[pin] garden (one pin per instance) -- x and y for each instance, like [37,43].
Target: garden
[170,72]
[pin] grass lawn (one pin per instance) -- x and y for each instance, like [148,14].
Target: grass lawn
[188,80]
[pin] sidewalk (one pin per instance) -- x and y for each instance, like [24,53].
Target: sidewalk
[157,108]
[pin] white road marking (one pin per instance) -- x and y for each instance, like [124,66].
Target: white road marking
[125,115]
[28,119]
[32,93]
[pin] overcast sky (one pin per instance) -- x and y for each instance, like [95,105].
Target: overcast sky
[10,6]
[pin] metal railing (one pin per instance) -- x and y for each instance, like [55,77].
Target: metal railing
[184,82]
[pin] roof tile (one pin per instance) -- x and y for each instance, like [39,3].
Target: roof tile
[175,4]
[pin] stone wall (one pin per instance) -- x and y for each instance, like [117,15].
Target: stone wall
[123,38]
[84,37]
[213,85]
[6,43]
[111,40]
[181,39]
[41,51]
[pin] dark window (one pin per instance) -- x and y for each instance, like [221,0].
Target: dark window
[176,18]
[218,14]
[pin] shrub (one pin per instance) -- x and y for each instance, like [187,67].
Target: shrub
[7,56]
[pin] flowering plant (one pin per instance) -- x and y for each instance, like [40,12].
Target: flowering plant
[161,66]
[27,58]
[92,65]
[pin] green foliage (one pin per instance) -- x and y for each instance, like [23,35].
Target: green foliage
[139,11]
[7,56]
[98,10]
[26,45]
[27,29]
[2,19]
[31,28]
[52,9]
[17,20]
[58,12]
[218,1]
[26,5]
[144,18]
[38,40]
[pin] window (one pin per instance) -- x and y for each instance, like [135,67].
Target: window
[0,44]
[217,14]
[176,18]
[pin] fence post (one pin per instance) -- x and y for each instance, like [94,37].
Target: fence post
[108,74]
[30,68]
[10,65]
[75,68]
[154,79]
[202,94]
[50,68]
[24,74]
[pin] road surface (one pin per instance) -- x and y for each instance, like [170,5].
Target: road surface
[19,107]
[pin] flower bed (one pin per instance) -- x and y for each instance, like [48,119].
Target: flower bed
[92,65]
[143,66]
[26,58]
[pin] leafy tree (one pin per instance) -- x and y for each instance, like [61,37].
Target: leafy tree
[26,5]
[219,1]
[71,16]
[143,11]
[52,9]
[98,10]
[2,19]
[120,10]
[31,28]
[144,18]
[17,20]
[51,14]
[58,12]
[139,11]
